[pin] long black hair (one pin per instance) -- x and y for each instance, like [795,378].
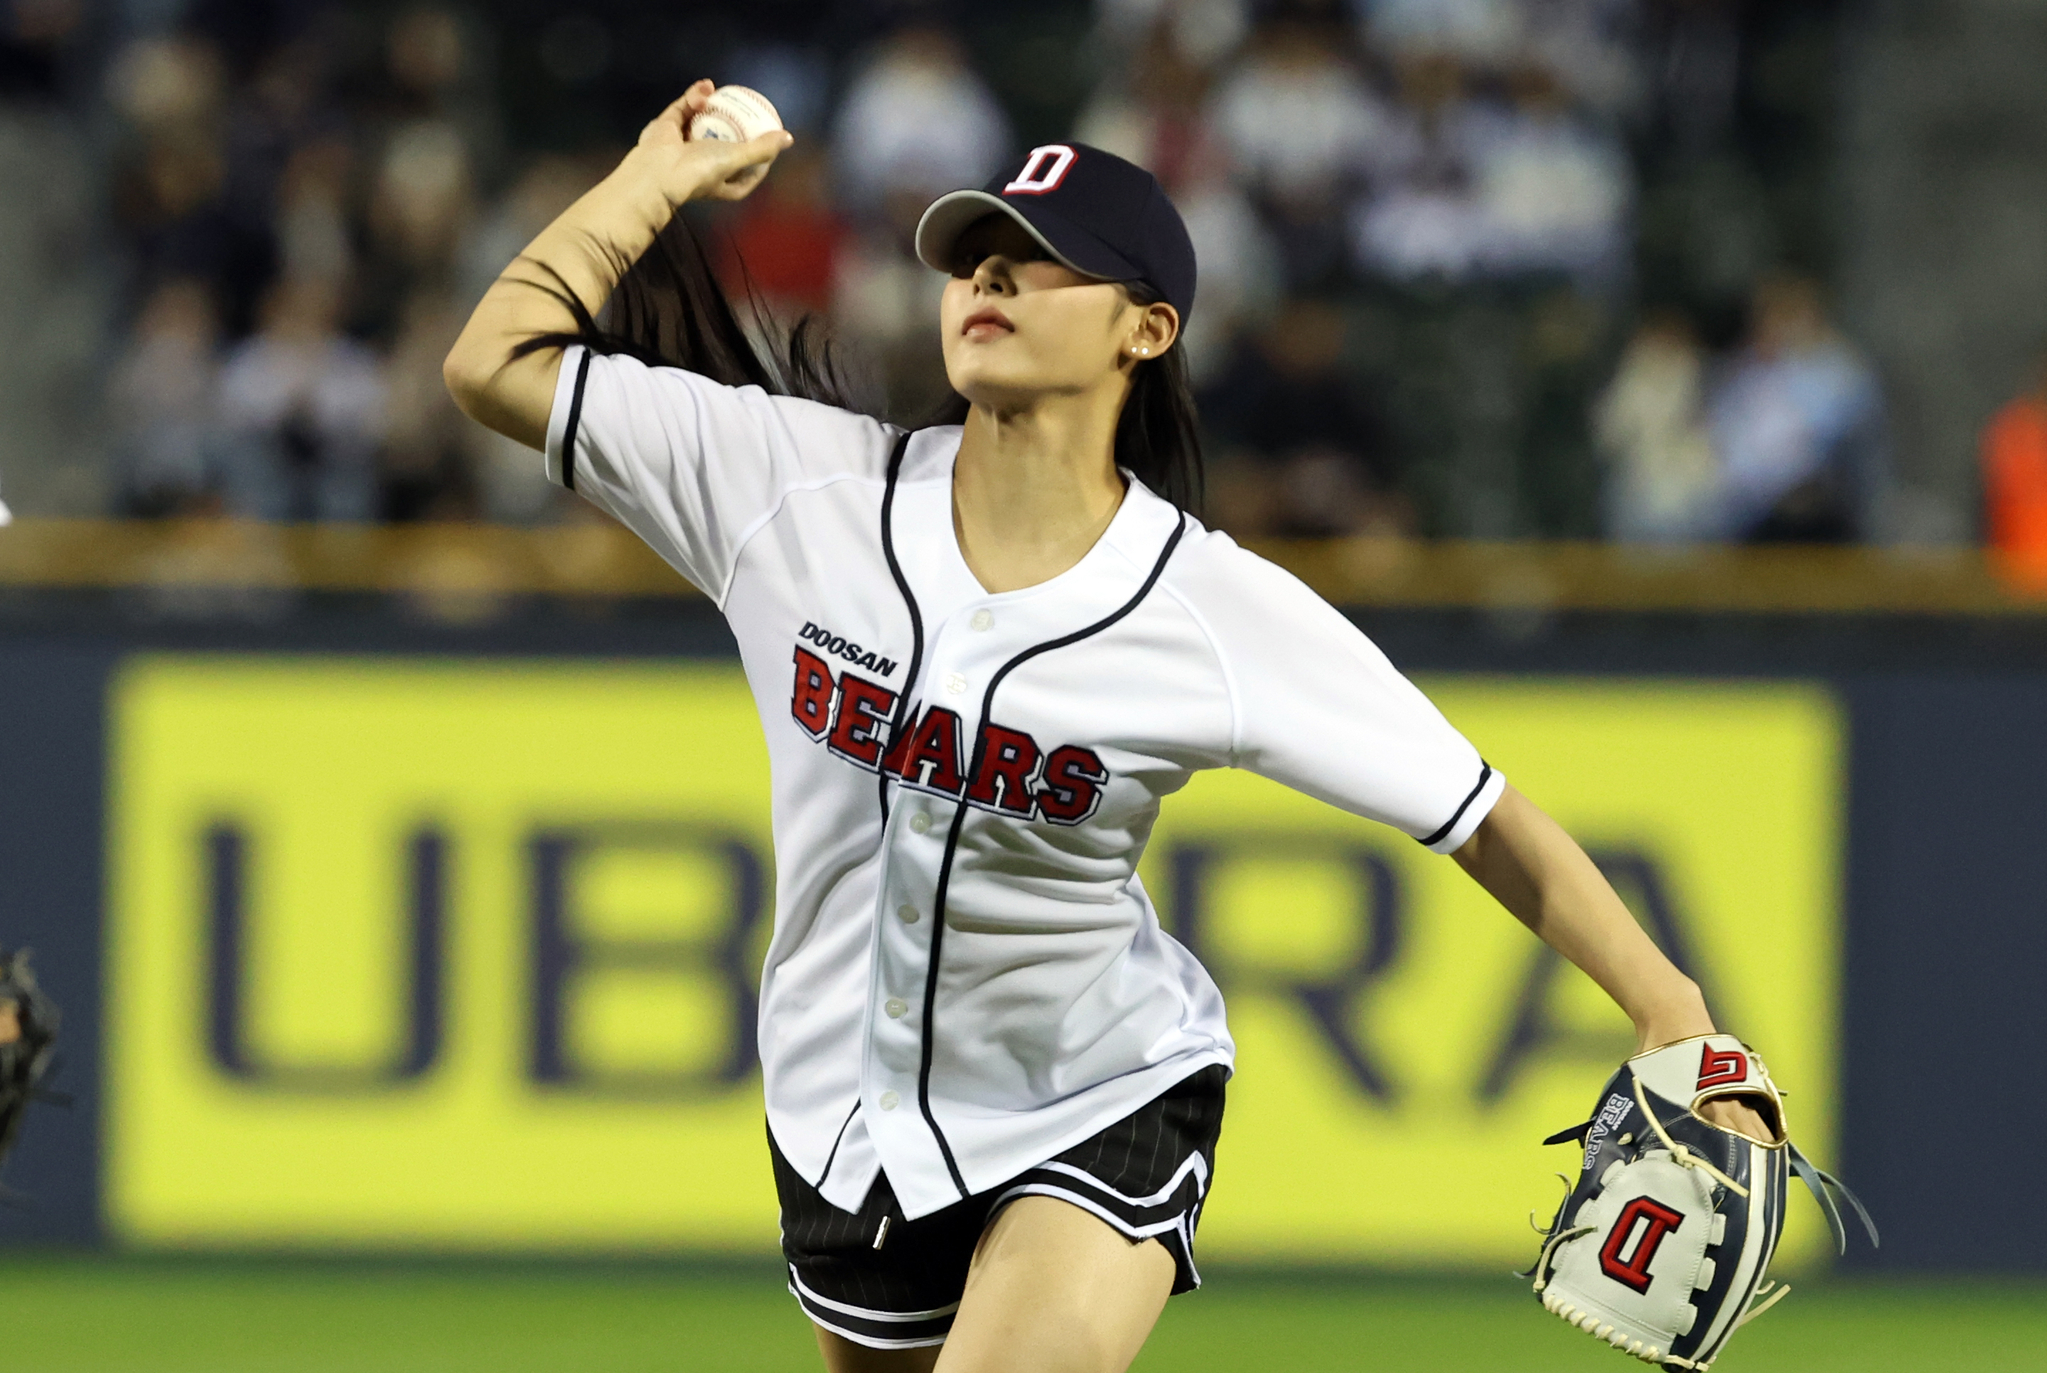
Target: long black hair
[670,311]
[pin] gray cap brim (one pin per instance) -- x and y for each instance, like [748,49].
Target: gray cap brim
[949,216]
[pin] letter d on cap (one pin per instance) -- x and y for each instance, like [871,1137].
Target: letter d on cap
[1042,171]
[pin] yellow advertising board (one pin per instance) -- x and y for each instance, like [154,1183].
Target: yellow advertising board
[462,954]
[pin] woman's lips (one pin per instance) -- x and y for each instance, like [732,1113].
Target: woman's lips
[987,323]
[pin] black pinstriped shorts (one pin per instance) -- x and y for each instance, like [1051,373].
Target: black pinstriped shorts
[889,1283]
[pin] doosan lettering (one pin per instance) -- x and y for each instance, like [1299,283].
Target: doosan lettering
[838,647]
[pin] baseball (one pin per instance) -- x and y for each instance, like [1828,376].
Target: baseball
[735,115]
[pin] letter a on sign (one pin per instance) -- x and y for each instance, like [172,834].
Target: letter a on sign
[1042,171]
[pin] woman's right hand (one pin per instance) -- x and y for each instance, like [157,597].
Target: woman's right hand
[682,169]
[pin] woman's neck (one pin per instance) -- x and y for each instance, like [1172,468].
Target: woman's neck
[1035,487]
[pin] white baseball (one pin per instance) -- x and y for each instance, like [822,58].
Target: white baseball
[735,114]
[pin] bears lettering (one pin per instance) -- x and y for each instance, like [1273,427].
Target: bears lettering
[862,714]
[933,762]
[1009,764]
[812,702]
[1014,775]
[1074,778]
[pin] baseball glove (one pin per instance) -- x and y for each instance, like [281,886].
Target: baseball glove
[1661,1246]
[28,1031]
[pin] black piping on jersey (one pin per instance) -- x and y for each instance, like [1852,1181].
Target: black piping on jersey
[837,1140]
[1485,775]
[575,422]
[888,551]
[895,728]
[959,815]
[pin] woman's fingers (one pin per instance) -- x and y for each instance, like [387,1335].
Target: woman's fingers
[688,103]
[742,166]
[1731,1113]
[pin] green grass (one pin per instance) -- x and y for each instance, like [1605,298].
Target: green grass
[166,1315]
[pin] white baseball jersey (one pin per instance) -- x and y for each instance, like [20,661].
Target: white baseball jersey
[966,976]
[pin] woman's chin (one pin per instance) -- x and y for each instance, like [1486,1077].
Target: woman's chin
[996,392]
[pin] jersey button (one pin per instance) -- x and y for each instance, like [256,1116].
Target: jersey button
[955,683]
[982,620]
[889,1101]
[907,914]
[896,1007]
[920,823]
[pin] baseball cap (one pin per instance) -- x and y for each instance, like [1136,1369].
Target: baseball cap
[1093,211]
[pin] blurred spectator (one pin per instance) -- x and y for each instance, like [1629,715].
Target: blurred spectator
[34,38]
[1500,189]
[280,109]
[163,392]
[796,80]
[2014,460]
[301,413]
[1152,110]
[1149,113]
[1304,129]
[315,236]
[427,472]
[1691,66]
[1797,422]
[1452,171]
[548,186]
[916,121]
[1662,481]
[1474,31]
[1303,450]
[885,304]
[1197,33]
[787,238]
[419,213]
[172,172]
[1590,47]
[1241,277]
[1552,191]
[1423,219]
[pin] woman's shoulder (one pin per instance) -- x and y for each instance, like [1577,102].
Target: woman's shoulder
[807,439]
[1214,568]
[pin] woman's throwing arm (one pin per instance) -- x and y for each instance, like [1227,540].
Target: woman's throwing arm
[1538,872]
[584,253]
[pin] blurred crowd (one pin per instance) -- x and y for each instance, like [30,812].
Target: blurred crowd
[1478,268]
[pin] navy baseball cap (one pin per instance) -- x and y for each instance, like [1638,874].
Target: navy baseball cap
[1090,210]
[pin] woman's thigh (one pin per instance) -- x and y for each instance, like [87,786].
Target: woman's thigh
[841,1355]
[1055,1290]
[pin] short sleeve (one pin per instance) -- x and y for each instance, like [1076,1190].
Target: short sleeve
[1317,707]
[692,466]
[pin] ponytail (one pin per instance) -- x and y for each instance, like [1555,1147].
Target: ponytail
[668,310]
[1158,436]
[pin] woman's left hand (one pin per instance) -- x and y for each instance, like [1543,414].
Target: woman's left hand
[1732,1113]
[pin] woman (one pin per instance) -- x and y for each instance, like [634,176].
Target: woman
[994,1085]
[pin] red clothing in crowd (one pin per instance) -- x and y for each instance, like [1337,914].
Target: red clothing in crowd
[790,248]
[2015,492]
